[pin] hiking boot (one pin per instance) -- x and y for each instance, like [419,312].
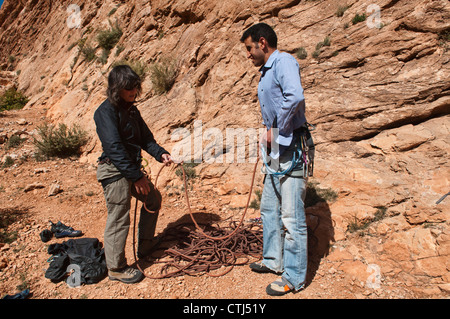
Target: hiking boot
[279,287]
[127,275]
[261,268]
[60,230]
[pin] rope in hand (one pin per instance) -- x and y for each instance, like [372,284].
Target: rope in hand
[207,250]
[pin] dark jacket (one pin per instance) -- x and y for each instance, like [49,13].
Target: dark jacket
[123,134]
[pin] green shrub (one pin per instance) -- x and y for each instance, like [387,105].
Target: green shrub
[14,142]
[61,141]
[86,50]
[9,161]
[163,76]
[189,171]
[12,100]
[107,39]
[359,18]
[301,53]
[315,194]
[9,216]
[340,11]
[256,203]
[103,58]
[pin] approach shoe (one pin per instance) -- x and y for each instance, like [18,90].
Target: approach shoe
[261,268]
[128,275]
[60,230]
[279,287]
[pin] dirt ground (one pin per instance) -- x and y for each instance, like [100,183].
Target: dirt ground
[80,204]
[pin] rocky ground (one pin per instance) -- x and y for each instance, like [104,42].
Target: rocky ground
[354,265]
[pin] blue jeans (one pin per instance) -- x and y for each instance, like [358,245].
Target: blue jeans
[285,232]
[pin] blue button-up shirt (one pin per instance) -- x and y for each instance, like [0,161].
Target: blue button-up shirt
[280,94]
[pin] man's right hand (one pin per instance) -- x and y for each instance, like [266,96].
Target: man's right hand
[142,186]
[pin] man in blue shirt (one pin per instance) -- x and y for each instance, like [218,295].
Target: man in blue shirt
[282,104]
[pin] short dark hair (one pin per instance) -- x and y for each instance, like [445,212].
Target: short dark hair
[261,30]
[122,77]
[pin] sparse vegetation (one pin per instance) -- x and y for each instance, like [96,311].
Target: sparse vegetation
[444,39]
[138,66]
[301,53]
[189,170]
[107,39]
[255,204]
[59,142]
[356,225]
[325,43]
[163,75]
[315,194]
[7,217]
[119,50]
[9,161]
[12,100]
[341,10]
[14,142]
[359,18]
[87,50]
[113,10]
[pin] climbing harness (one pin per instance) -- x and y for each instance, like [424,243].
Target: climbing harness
[303,154]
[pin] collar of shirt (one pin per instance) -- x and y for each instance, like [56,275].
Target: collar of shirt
[269,62]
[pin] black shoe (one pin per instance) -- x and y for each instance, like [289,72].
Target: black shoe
[46,235]
[60,230]
[261,268]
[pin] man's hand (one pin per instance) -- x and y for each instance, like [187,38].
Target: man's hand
[166,159]
[142,186]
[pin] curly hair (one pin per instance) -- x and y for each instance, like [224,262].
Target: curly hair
[122,77]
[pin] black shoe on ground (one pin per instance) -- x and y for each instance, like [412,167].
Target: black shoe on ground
[60,230]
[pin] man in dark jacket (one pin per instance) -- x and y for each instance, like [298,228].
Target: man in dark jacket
[124,134]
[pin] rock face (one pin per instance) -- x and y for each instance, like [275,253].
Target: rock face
[378,92]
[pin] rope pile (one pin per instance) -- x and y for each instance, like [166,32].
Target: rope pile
[195,254]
